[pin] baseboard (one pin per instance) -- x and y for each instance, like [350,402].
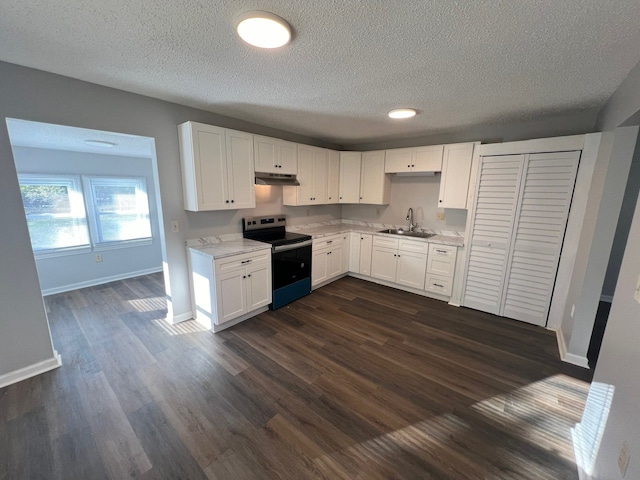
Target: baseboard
[99,281]
[31,371]
[569,357]
[606,298]
[182,317]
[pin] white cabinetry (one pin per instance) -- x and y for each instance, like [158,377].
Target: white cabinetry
[312,175]
[456,172]
[363,179]
[229,288]
[399,261]
[333,178]
[328,259]
[217,167]
[275,156]
[440,269]
[414,160]
[360,245]
[517,229]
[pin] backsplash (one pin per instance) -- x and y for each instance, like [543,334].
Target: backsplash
[378,226]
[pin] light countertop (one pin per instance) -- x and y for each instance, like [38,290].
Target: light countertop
[229,247]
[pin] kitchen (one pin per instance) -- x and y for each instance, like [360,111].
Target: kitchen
[38,95]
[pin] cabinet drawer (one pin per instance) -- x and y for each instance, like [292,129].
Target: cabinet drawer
[413,246]
[330,241]
[386,242]
[242,260]
[439,284]
[444,251]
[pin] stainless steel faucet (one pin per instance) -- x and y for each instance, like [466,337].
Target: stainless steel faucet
[410,218]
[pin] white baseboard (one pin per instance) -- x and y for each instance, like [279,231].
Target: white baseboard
[99,281]
[606,298]
[182,317]
[31,370]
[569,357]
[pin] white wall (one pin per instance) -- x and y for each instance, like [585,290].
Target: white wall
[419,193]
[69,272]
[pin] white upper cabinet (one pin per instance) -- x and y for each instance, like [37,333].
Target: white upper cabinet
[217,167]
[362,178]
[414,160]
[312,175]
[275,156]
[350,177]
[333,179]
[456,172]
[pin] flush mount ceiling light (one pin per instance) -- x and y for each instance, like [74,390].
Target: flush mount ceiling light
[263,30]
[402,113]
[100,143]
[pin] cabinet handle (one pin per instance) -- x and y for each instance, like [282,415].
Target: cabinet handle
[438,285]
[249,275]
[227,201]
[360,198]
[408,166]
[441,251]
[413,165]
[329,241]
[395,255]
[328,253]
[246,261]
[232,201]
[329,198]
[244,276]
[439,201]
[340,198]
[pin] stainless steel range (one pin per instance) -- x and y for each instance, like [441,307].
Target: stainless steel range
[290,257]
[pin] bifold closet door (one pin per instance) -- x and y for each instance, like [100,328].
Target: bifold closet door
[540,223]
[493,216]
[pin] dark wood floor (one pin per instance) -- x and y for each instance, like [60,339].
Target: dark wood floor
[356,381]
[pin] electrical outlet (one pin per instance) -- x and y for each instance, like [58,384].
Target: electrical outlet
[573,310]
[98,257]
[175,226]
[623,458]
[440,216]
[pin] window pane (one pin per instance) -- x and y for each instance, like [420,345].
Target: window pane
[53,216]
[122,210]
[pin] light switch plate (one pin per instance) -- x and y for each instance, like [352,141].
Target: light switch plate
[623,458]
[175,226]
[636,294]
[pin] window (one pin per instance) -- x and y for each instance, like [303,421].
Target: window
[120,209]
[55,212]
[117,212]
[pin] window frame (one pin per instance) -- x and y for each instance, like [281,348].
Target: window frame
[74,183]
[95,228]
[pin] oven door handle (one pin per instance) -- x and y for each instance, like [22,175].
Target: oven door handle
[293,246]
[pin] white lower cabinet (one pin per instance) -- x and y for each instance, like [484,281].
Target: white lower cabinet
[229,288]
[399,261]
[360,253]
[440,269]
[328,259]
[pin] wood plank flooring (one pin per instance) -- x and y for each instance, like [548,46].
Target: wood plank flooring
[355,381]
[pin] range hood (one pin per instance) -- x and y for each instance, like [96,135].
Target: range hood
[275,179]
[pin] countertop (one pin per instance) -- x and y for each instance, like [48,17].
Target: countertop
[228,247]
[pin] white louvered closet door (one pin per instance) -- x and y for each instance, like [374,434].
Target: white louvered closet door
[497,190]
[540,223]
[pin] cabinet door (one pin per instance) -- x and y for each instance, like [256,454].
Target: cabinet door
[411,269]
[383,263]
[427,159]
[375,185]
[354,252]
[350,177]
[319,266]
[366,243]
[240,169]
[204,165]
[456,171]
[334,261]
[333,179]
[320,176]
[264,149]
[442,260]
[286,157]
[491,230]
[398,160]
[258,284]
[346,252]
[231,295]
[305,175]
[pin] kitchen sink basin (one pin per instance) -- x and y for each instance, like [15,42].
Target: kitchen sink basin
[407,233]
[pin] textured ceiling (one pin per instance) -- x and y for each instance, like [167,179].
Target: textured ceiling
[460,63]
[23,133]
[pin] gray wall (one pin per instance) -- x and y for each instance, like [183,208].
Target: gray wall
[68,272]
[419,193]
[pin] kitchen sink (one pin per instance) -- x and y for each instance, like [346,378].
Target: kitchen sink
[407,233]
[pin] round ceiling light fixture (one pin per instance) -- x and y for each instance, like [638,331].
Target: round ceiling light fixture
[402,113]
[100,143]
[263,30]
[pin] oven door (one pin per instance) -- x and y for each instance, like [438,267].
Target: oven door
[290,264]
